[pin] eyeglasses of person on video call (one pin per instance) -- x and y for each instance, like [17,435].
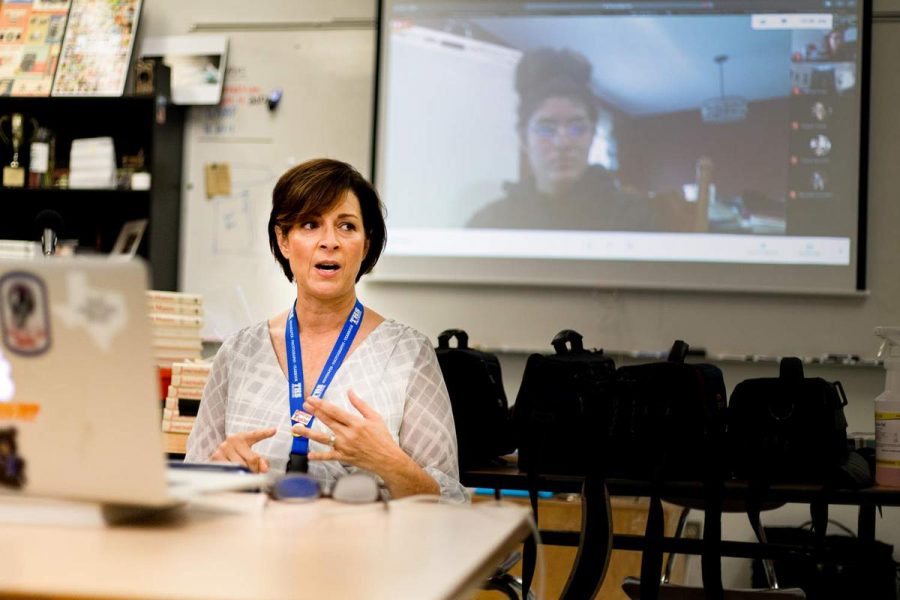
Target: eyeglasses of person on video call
[558,140]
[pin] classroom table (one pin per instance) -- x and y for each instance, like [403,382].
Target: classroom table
[238,546]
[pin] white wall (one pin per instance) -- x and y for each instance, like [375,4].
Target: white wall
[176,17]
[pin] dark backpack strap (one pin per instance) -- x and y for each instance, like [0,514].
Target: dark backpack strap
[651,560]
[462,338]
[754,508]
[651,557]
[595,545]
[711,557]
[570,336]
[529,550]
[756,493]
[818,514]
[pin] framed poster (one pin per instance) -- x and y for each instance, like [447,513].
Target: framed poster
[31,33]
[96,51]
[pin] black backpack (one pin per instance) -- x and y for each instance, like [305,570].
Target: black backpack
[560,415]
[480,410]
[788,428]
[668,420]
[668,423]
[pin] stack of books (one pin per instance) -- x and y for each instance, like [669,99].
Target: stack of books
[19,249]
[176,318]
[183,399]
[92,164]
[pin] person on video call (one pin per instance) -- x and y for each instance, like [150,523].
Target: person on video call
[836,47]
[385,411]
[557,121]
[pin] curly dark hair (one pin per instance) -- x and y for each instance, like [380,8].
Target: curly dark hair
[313,188]
[550,72]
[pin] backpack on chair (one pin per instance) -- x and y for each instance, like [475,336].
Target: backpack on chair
[560,416]
[668,419]
[560,421]
[789,428]
[668,423]
[480,410]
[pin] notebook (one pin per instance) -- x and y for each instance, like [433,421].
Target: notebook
[79,414]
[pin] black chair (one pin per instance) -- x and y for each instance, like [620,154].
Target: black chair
[505,582]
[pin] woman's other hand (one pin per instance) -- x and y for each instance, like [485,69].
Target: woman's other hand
[237,449]
[364,441]
[361,440]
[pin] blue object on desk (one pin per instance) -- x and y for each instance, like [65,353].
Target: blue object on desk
[215,467]
[511,493]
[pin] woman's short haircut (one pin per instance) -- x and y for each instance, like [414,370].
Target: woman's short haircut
[551,73]
[313,188]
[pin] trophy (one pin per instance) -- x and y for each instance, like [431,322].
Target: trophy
[14,173]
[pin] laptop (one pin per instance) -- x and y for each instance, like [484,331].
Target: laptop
[79,414]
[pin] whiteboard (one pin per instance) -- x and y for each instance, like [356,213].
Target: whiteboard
[325,111]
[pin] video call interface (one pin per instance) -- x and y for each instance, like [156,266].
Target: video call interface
[607,127]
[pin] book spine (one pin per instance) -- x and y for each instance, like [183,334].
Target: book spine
[186,393]
[174,297]
[175,309]
[177,426]
[193,369]
[171,320]
[189,380]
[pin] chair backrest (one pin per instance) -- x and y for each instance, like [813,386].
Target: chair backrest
[667,591]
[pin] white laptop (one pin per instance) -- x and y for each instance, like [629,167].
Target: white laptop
[79,414]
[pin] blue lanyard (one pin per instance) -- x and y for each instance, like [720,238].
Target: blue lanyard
[295,367]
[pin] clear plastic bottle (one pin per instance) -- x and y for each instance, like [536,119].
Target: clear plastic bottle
[887,411]
[43,149]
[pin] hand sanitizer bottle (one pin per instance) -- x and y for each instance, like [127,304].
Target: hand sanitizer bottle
[887,411]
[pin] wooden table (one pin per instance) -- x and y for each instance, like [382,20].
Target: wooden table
[243,546]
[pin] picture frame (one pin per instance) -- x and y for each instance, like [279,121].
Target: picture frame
[129,239]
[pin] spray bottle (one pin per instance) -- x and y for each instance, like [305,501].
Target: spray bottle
[887,411]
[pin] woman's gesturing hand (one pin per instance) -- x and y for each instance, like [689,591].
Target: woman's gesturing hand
[237,449]
[361,440]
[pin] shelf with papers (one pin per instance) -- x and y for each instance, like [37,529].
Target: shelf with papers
[142,129]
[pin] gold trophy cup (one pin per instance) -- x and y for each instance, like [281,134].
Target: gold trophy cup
[14,173]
